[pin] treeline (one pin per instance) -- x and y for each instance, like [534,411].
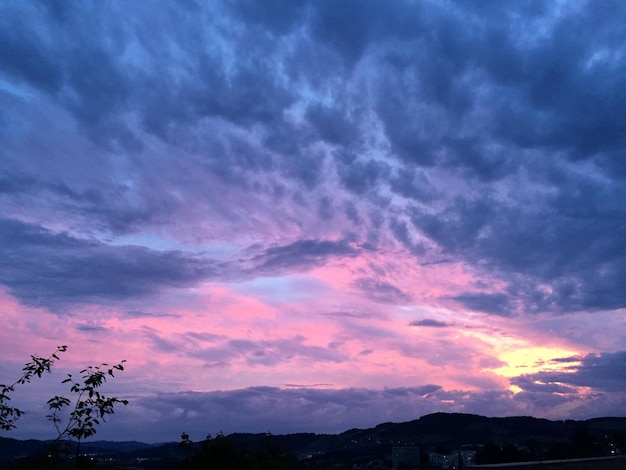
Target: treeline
[220,453]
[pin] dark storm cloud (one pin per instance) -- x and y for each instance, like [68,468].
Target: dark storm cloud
[557,79]
[16,185]
[332,124]
[95,68]
[490,303]
[603,372]
[576,249]
[484,160]
[42,267]
[251,95]
[412,184]
[541,86]
[24,55]
[303,254]
[540,76]
[544,105]
[381,291]
[99,205]
[349,28]
[66,58]
[530,384]
[402,232]
[565,360]
[547,98]
[276,16]
[360,177]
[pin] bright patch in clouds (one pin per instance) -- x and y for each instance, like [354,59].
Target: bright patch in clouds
[531,360]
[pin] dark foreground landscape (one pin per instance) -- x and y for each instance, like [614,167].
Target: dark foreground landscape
[438,440]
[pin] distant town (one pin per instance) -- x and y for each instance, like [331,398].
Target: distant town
[436,441]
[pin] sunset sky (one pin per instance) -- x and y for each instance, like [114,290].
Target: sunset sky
[312,216]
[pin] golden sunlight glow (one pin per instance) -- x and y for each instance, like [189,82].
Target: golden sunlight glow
[517,355]
[530,360]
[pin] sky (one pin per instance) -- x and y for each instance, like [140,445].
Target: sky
[311,216]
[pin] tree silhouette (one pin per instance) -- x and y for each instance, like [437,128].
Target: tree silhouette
[87,406]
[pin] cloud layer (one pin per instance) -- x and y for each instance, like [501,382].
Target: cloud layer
[376,197]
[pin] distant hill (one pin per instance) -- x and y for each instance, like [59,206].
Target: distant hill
[438,432]
[14,448]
